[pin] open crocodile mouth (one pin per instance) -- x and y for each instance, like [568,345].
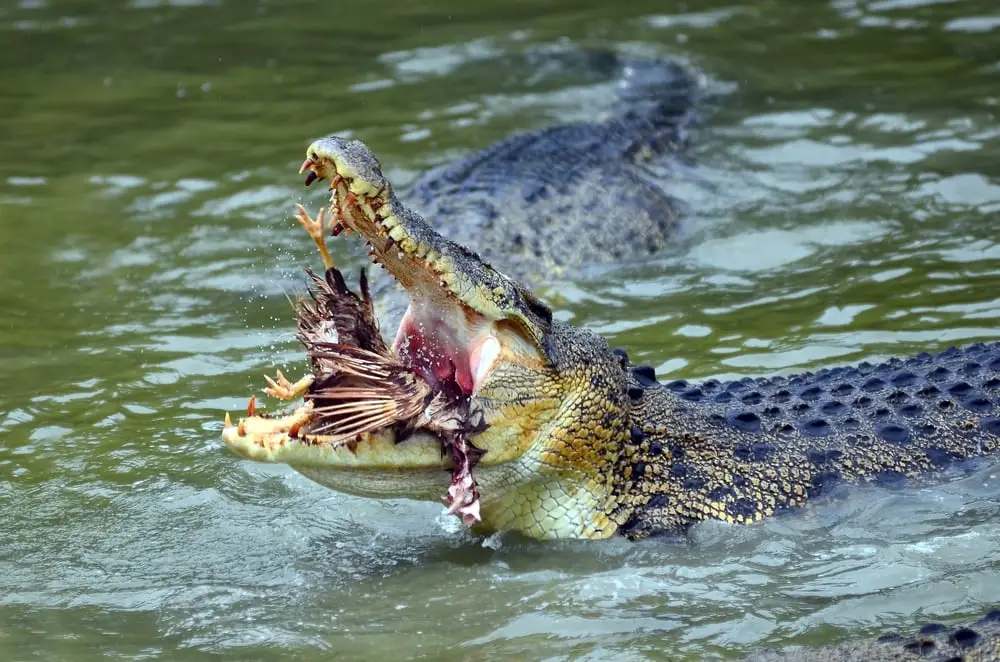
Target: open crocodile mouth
[407,407]
[442,335]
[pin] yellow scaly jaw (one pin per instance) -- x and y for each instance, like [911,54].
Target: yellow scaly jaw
[276,440]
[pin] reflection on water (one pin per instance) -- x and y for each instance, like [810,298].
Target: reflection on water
[846,186]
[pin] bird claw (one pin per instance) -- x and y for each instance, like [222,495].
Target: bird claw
[283,389]
[315,228]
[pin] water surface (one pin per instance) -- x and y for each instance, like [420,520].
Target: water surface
[845,199]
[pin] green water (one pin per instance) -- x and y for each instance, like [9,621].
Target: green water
[844,208]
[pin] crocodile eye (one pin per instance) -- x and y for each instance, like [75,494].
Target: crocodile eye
[539,309]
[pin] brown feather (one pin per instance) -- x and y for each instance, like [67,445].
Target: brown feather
[362,387]
[363,392]
[332,306]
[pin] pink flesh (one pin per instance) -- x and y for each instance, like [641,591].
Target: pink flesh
[434,352]
[437,356]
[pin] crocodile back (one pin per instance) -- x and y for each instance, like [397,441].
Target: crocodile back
[743,450]
[560,196]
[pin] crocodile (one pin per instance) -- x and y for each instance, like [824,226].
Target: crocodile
[577,442]
[580,443]
[525,202]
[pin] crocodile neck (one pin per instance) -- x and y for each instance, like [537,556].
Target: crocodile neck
[743,450]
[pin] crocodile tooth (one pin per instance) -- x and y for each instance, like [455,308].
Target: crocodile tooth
[443,264]
[368,212]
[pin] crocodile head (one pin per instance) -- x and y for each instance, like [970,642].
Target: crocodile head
[552,396]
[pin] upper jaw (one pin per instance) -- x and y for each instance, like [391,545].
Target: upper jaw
[367,205]
[426,264]
[455,297]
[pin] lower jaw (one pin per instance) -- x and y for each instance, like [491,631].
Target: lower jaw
[269,440]
[417,484]
[555,515]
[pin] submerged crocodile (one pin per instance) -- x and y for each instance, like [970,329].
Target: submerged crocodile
[557,197]
[932,642]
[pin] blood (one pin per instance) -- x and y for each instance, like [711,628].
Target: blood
[436,362]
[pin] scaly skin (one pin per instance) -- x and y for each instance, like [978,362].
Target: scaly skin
[580,444]
[974,642]
[555,198]
[741,451]
[552,201]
